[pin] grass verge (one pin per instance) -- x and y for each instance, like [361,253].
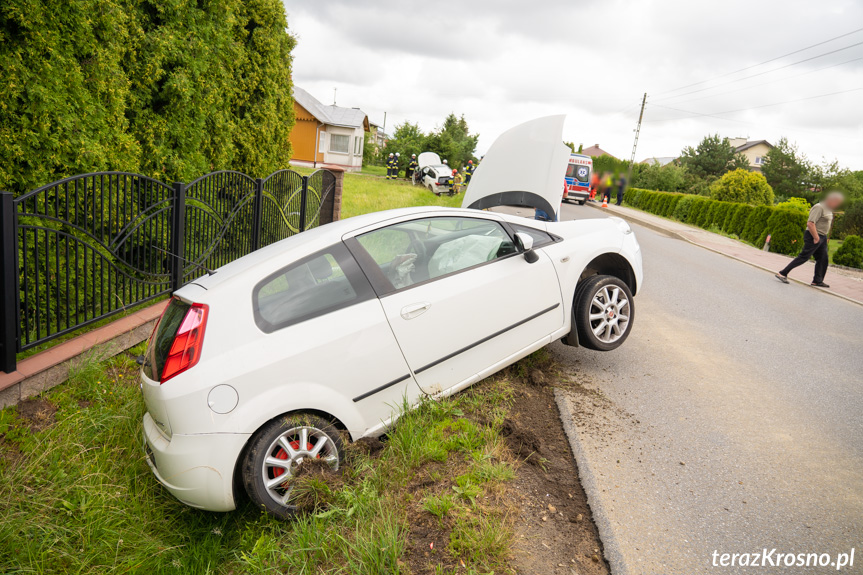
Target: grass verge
[78,497]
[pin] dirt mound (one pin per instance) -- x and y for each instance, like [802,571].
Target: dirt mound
[37,413]
[522,442]
[314,485]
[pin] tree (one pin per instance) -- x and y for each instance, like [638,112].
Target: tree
[667,178]
[453,141]
[714,156]
[785,169]
[407,139]
[744,187]
[570,145]
[172,90]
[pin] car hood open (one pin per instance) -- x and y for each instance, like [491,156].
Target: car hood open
[428,159]
[525,166]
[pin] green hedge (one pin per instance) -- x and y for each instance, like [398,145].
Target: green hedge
[172,90]
[750,223]
[850,253]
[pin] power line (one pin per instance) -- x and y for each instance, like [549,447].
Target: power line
[755,124]
[715,114]
[765,62]
[762,73]
[769,82]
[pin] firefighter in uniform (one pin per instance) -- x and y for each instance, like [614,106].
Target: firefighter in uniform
[468,171]
[391,165]
[412,166]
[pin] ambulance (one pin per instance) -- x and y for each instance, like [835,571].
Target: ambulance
[578,173]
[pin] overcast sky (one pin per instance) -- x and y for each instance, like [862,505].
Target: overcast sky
[502,62]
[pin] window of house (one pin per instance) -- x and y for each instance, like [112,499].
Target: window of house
[757,159]
[340,143]
[358,145]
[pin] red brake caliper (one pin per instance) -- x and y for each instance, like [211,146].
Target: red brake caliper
[282,454]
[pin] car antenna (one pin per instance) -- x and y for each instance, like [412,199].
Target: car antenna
[196,264]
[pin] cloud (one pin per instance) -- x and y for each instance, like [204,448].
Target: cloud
[499,62]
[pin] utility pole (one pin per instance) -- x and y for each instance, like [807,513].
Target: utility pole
[637,132]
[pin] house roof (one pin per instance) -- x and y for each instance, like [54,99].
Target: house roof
[331,115]
[594,151]
[752,144]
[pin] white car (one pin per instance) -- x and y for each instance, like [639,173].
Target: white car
[433,174]
[286,353]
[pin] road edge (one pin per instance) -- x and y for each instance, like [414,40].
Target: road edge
[610,544]
[673,234]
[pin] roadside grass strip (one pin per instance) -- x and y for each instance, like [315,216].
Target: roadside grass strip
[76,495]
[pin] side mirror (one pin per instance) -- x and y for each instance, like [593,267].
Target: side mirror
[524,243]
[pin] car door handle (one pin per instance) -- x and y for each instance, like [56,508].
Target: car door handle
[415,310]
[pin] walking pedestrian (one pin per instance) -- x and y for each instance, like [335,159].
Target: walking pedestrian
[815,239]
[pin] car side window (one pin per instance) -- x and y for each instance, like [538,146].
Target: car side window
[321,283]
[417,251]
[540,238]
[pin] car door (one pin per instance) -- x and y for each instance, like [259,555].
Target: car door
[326,330]
[458,295]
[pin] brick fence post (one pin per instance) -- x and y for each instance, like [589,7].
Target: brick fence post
[337,193]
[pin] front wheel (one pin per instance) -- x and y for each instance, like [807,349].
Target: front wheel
[276,453]
[604,312]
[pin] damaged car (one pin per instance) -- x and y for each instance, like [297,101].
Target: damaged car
[286,354]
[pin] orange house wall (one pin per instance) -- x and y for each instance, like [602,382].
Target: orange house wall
[304,135]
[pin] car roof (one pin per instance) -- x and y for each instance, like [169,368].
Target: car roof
[299,245]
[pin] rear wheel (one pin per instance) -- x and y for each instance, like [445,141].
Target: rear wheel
[582,202]
[604,312]
[276,453]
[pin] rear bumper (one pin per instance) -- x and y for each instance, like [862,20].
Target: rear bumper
[196,469]
[577,195]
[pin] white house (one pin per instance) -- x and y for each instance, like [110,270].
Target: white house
[327,134]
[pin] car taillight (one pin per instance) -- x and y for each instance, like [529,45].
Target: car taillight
[186,347]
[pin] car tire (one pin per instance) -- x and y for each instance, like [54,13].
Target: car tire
[270,443]
[601,302]
[582,202]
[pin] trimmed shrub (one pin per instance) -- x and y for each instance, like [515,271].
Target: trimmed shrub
[681,211]
[721,214]
[738,222]
[699,204]
[728,223]
[744,187]
[850,253]
[786,231]
[756,223]
[673,200]
[798,204]
[172,90]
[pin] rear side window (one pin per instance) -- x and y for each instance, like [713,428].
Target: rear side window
[163,337]
[321,283]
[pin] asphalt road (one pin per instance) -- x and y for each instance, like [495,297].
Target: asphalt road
[730,420]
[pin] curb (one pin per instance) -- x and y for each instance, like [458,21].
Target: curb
[673,234]
[610,544]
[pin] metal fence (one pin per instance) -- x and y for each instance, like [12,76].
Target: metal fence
[83,248]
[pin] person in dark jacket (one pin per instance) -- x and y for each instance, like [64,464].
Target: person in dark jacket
[621,187]
[412,167]
[468,171]
[392,167]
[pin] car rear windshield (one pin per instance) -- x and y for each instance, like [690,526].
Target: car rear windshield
[160,343]
[580,173]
